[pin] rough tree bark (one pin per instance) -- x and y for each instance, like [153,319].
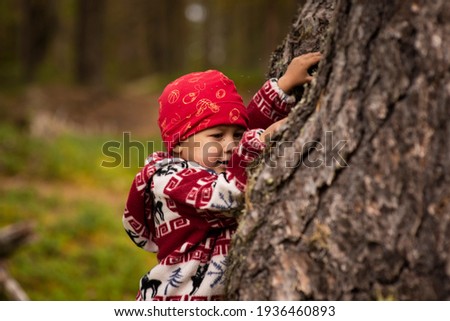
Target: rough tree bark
[353,201]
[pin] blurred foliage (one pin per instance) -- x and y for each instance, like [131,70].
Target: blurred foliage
[105,42]
[81,251]
[67,157]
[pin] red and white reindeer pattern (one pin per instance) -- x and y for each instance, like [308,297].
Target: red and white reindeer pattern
[183,211]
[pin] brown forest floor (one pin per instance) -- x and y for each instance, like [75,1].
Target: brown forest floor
[91,111]
[51,109]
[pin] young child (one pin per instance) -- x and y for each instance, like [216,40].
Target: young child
[180,204]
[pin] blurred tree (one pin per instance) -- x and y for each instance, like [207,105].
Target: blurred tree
[353,202]
[126,49]
[110,42]
[89,41]
[9,53]
[38,27]
[166,34]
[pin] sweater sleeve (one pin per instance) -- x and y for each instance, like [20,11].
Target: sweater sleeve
[269,105]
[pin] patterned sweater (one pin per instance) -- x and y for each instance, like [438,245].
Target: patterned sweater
[183,211]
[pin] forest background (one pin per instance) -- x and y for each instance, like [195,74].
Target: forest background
[76,75]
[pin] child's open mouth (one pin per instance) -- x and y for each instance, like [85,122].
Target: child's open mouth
[222,163]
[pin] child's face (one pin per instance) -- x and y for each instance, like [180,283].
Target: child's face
[212,147]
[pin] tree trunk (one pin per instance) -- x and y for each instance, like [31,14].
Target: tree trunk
[353,201]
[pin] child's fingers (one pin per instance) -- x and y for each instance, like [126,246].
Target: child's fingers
[309,78]
[265,136]
[311,54]
[313,60]
[308,59]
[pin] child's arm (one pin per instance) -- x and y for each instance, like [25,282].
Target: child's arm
[197,188]
[297,71]
[138,211]
[273,101]
[192,190]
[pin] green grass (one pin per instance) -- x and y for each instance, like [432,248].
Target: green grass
[81,251]
[67,157]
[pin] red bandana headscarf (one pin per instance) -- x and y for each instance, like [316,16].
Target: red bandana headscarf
[198,101]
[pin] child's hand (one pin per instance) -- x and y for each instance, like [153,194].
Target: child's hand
[265,136]
[297,71]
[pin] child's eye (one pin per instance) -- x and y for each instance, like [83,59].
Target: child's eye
[238,135]
[218,135]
